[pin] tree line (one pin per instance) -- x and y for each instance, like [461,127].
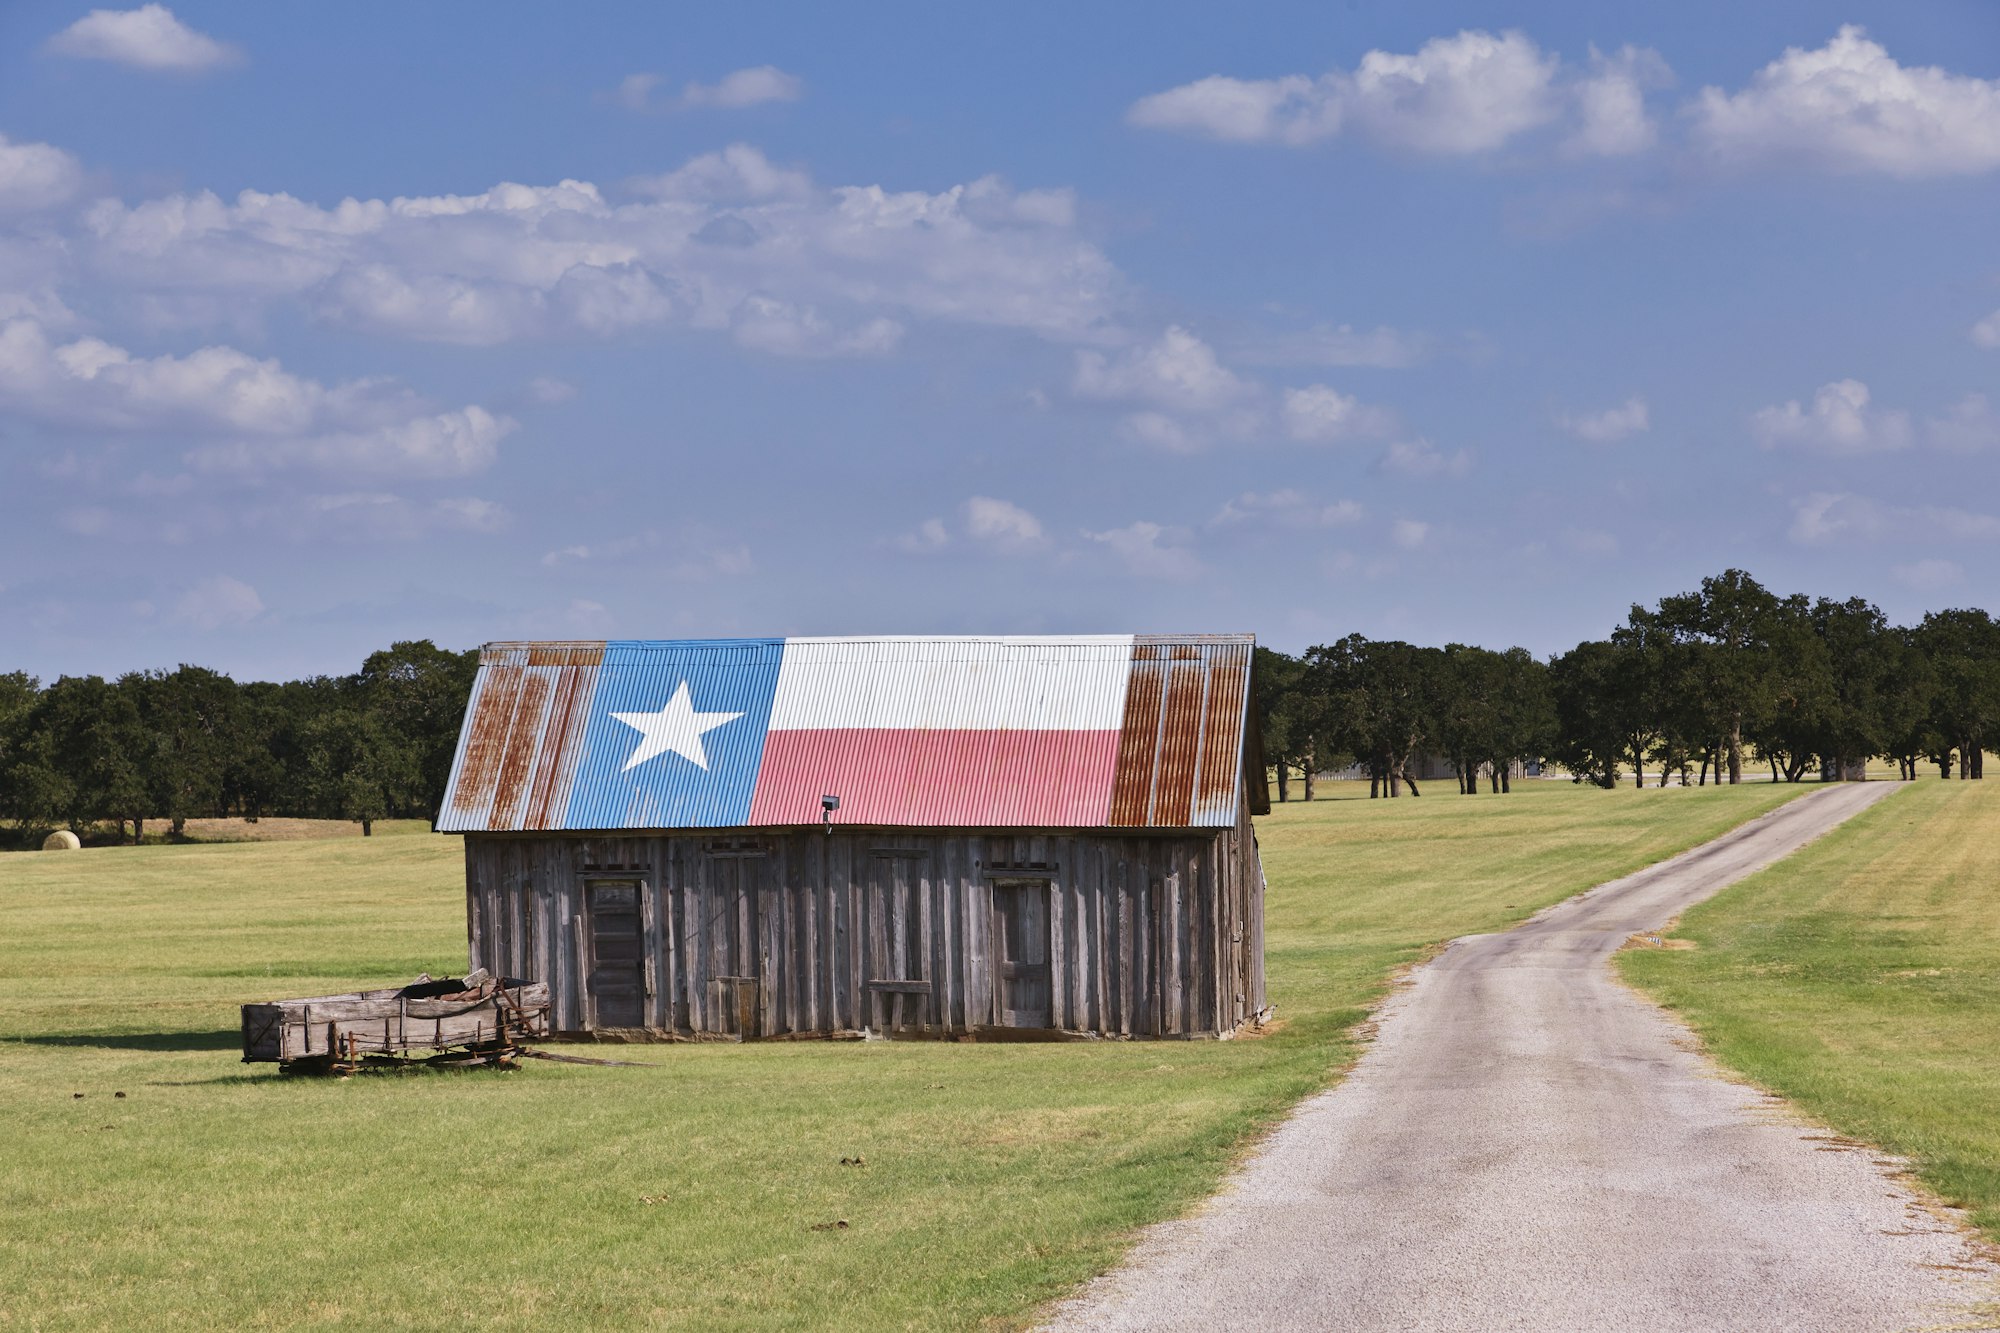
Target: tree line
[192,743]
[1694,688]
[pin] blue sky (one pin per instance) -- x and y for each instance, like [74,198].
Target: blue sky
[325,327]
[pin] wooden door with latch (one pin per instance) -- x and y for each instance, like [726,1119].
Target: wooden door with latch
[896,943]
[733,938]
[1024,990]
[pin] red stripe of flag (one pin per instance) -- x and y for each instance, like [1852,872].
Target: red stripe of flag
[937,777]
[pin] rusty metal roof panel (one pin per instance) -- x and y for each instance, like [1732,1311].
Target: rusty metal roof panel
[1186,710]
[521,737]
[1003,731]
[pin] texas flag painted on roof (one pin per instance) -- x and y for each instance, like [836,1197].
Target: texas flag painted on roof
[1052,732]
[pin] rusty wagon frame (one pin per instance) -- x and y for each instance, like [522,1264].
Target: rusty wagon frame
[468,1022]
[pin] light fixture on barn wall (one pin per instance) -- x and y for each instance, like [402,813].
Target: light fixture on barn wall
[827,805]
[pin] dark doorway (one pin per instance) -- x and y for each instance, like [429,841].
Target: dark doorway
[617,956]
[1025,993]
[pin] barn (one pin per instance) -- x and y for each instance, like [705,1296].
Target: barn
[944,837]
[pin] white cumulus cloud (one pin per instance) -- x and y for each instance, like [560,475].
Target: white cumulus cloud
[999,524]
[218,601]
[1611,115]
[1824,517]
[786,330]
[1468,93]
[739,173]
[1611,425]
[1421,458]
[239,410]
[746,87]
[1293,109]
[729,242]
[1318,414]
[1849,106]
[1184,395]
[1929,575]
[1178,370]
[1971,426]
[1409,533]
[35,176]
[547,390]
[1463,94]
[1986,333]
[443,444]
[1149,550]
[634,92]
[149,37]
[929,535]
[1839,420]
[1286,508]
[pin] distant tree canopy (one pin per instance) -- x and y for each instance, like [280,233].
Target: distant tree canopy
[192,743]
[1691,688]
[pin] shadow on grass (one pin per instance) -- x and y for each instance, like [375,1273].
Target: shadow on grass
[227,1039]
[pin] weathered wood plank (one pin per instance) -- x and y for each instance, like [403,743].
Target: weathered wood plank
[1128,948]
[1058,969]
[939,901]
[1107,943]
[917,886]
[588,1015]
[1090,943]
[897,957]
[771,953]
[809,951]
[857,938]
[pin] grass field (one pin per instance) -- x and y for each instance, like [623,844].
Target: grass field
[683,1195]
[1861,979]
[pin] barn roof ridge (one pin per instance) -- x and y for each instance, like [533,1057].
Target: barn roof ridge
[1010,640]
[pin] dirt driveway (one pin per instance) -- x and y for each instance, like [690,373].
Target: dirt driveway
[1528,1145]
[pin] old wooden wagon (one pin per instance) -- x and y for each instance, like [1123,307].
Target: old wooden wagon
[474,1019]
[935,837]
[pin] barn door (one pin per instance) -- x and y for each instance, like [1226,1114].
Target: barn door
[895,926]
[617,963]
[732,934]
[1024,989]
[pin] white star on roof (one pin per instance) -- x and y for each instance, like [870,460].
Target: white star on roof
[676,727]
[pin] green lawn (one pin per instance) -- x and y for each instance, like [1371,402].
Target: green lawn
[220,1195]
[1861,979]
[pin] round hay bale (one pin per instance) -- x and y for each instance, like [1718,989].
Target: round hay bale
[62,840]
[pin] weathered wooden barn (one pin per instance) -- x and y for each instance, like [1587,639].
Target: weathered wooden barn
[935,837]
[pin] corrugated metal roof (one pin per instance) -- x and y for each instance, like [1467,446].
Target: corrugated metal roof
[1053,732]
[1180,759]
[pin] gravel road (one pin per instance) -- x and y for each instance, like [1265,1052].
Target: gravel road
[1528,1145]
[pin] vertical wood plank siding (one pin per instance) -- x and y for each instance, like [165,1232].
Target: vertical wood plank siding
[765,933]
